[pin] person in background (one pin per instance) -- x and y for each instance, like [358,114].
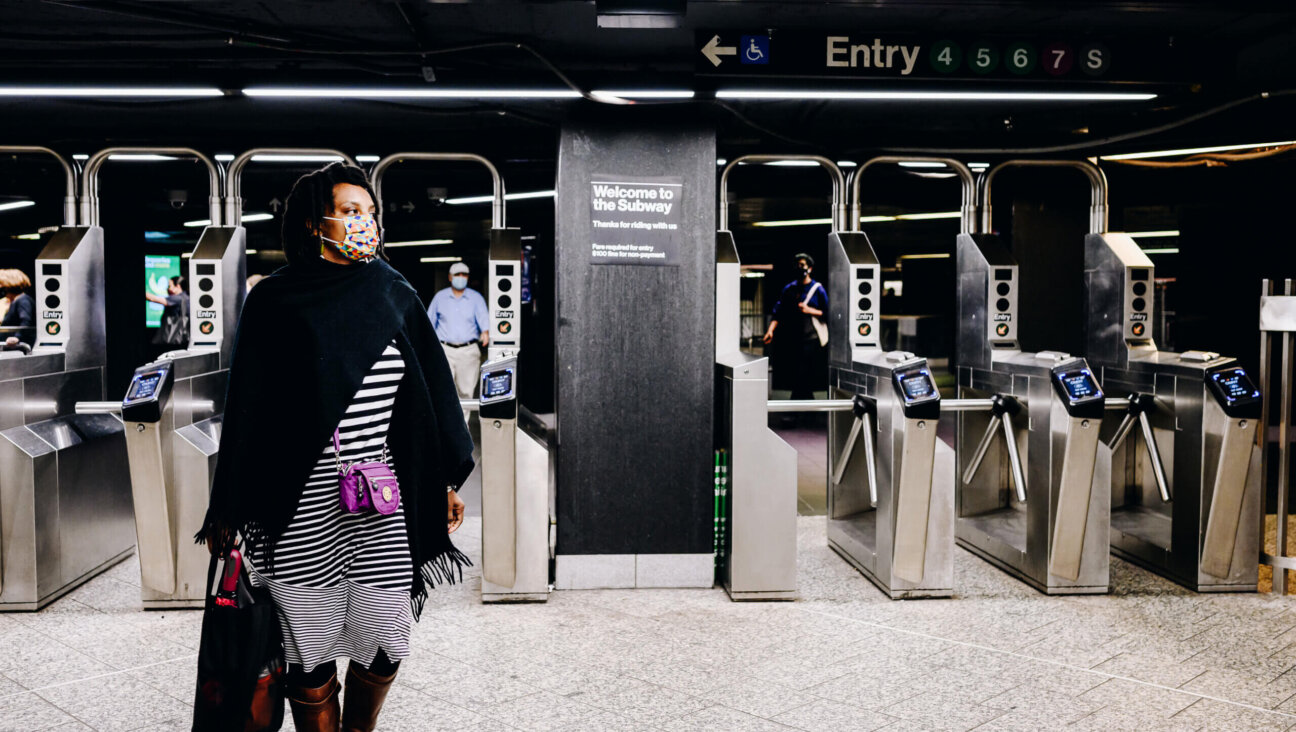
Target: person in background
[253,279]
[22,308]
[798,353]
[458,314]
[174,329]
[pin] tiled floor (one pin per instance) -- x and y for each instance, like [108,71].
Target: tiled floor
[999,657]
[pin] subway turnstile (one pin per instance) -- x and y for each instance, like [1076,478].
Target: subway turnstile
[1185,489]
[64,486]
[890,480]
[1033,496]
[759,554]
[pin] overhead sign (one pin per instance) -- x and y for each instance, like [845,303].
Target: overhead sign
[865,54]
[635,220]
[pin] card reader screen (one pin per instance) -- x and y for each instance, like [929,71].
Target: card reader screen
[917,385]
[497,384]
[145,386]
[1234,384]
[1079,384]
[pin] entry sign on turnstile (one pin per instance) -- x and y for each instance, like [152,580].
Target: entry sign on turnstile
[146,397]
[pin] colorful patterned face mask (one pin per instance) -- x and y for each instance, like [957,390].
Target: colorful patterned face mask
[362,237]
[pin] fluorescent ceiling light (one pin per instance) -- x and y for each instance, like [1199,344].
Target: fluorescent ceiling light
[186,255]
[1167,250]
[16,204]
[507,197]
[223,157]
[250,251]
[367,158]
[752,275]
[417,243]
[200,222]
[928,216]
[645,93]
[353,93]
[921,164]
[934,96]
[156,235]
[1193,151]
[256,217]
[794,163]
[924,256]
[978,166]
[793,222]
[28,236]
[80,156]
[111,91]
[1153,234]
[140,158]
[721,161]
[847,164]
[296,158]
[863,219]
[431,260]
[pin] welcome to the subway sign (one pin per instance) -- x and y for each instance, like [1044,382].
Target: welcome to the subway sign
[881,55]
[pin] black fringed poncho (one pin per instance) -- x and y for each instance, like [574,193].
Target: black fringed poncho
[307,336]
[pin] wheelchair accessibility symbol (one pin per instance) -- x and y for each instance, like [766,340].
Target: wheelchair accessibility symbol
[754,50]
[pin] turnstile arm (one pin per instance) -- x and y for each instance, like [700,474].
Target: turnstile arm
[1002,407]
[864,408]
[98,407]
[1137,407]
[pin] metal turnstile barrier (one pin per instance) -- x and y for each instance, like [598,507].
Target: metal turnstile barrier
[1038,505]
[64,487]
[1185,486]
[516,474]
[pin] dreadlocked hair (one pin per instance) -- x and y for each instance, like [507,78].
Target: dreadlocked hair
[310,200]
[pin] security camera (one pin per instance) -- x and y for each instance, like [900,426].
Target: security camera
[178,199]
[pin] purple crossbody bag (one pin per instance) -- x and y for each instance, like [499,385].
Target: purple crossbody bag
[367,485]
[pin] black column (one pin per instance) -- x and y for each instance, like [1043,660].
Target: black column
[634,346]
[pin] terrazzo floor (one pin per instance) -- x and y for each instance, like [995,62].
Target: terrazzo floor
[1150,656]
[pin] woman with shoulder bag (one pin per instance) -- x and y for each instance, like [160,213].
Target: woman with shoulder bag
[342,433]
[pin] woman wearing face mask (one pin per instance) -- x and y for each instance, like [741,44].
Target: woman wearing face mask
[336,365]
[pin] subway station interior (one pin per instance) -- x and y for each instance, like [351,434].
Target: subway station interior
[846,365]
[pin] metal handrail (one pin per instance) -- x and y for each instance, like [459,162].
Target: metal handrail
[234,175]
[838,181]
[90,179]
[70,192]
[967,209]
[1097,189]
[497,182]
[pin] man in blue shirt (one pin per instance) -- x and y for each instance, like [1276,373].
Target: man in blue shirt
[459,315]
[800,361]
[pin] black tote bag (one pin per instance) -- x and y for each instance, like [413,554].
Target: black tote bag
[240,667]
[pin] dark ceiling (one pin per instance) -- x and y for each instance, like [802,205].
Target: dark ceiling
[1196,56]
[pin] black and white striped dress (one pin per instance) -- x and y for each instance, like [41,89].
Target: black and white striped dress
[341,581]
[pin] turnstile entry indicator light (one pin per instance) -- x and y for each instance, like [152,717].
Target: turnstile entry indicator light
[865,287]
[52,269]
[205,268]
[504,270]
[864,273]
[206,284]
[505,286]
[1236,393]
[1079,391]
[51,284]
[52,302]
[1003,274]
[1140,288]
[1138,273]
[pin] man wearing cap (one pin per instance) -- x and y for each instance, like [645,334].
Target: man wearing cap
[459,315]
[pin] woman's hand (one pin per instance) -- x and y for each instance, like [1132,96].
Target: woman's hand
[454,511]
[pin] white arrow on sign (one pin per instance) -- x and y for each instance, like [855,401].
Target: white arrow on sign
[275,204]
[713,50]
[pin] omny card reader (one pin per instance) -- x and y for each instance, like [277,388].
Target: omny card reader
[515,495]
[148,399]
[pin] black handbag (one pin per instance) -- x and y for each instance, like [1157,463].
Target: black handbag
[240,654]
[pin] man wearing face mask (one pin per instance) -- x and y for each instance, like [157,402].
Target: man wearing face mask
[459,315]
[799,358]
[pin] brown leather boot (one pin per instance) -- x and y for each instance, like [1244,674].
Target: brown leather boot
[365,693]
[316,710]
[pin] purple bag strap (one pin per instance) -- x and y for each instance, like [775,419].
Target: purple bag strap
[337,450]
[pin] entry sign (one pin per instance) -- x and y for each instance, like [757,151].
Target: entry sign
[635,220]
